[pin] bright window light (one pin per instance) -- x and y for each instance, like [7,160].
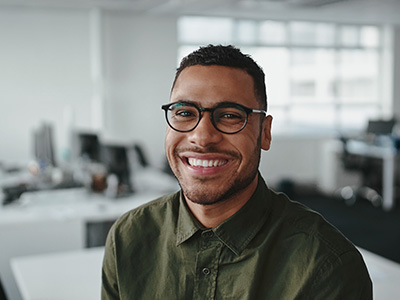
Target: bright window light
[319,76]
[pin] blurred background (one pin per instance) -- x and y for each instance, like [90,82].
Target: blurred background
[82,83]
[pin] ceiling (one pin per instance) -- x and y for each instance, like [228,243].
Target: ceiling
[348,11]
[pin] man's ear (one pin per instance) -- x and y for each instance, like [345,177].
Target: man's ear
[266,137]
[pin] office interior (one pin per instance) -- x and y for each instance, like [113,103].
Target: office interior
[79,73]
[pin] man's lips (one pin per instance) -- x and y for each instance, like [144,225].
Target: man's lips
[205,166]
[208,160]
[206,163]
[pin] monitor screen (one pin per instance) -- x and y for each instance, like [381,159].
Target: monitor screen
[44,145]
[87,146]
[115,158]
[380,127]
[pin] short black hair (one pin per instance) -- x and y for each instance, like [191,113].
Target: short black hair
[228,56]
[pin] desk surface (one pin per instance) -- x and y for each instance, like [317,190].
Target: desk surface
[76,203]
[78,275]
[50,221]
[60,276]
[373,150]
[79,203]
[385,276]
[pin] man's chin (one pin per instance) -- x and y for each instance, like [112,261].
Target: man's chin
[204,199]
[207,192]
[204,194]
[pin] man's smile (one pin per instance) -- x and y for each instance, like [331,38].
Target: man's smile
[205,163]
[212,166]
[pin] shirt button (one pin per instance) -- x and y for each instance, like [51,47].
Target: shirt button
[206,271]
[208,234]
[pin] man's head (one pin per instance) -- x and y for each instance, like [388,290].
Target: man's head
[227,56]
[210,164]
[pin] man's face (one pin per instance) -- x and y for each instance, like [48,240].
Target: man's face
[212,166]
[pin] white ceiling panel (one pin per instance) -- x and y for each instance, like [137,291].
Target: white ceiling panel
[349,11]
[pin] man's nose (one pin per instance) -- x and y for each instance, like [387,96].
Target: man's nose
[205,133]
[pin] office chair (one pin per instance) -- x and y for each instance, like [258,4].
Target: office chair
[370,168]
[2,292]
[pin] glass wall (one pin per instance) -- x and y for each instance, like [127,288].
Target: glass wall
[319,76]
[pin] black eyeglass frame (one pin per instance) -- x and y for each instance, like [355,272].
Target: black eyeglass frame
[246,109]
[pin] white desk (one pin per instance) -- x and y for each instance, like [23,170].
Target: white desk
[385,275]
[77,275]
[60,276]
[388,154]
[55,221]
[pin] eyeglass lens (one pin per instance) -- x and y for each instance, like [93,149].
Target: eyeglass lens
[226,118]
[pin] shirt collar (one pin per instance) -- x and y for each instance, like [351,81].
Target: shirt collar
[187,226]
[237,231]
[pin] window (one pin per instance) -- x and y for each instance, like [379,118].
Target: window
[318,75]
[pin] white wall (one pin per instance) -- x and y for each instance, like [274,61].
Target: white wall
[46,75]
[396,73]
[140,62]
[44,72]
[305,159]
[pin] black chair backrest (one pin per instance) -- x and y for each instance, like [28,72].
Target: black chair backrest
[380,127]
[2,292]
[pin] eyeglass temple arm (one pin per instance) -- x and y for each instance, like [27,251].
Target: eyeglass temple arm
[259,111]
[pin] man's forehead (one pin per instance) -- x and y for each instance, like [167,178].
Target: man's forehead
[211,68]
[209,85]
[212,75]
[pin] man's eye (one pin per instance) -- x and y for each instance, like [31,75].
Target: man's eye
[184,113]
[230,116]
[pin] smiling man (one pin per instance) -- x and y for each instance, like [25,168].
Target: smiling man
[226,235]
[215,154]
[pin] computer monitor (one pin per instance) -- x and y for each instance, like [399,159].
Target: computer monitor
[115,159]
[380,127]
[44,145]
[87,146]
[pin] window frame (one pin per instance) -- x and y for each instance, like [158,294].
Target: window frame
[374,107]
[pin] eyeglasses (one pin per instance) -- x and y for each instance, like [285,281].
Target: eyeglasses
[226,117]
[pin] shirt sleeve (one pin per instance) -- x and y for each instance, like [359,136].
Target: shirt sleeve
[109,289]
[345,277]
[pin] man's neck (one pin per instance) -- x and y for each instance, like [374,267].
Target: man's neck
[212,215]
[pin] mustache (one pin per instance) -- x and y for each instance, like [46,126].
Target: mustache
[210,149]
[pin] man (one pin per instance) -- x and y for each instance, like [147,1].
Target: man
[225,235]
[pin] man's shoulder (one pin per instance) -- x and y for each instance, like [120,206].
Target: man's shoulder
[143,231]
[323,248]
[314,229]
[150,214]
[312,242]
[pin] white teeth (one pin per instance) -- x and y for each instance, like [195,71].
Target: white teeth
[205,163]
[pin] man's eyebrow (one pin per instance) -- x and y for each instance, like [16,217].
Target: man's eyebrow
[189,101]
[198,103]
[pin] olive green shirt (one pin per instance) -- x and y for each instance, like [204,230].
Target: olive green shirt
[272,248]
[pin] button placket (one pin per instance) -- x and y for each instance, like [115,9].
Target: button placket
[206,271]
[208,239]
[207,266]
[207,234]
